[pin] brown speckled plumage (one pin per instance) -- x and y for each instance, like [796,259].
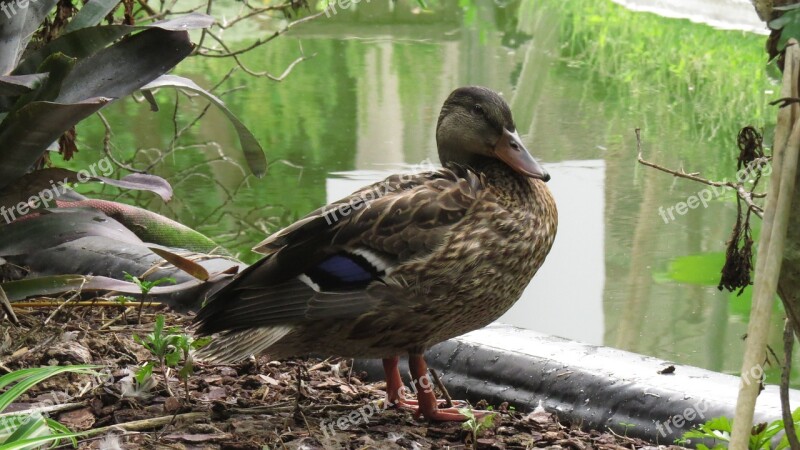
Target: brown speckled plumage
[448,251]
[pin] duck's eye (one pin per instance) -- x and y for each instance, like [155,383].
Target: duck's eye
[478,109]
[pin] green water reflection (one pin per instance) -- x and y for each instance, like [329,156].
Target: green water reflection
[580,76]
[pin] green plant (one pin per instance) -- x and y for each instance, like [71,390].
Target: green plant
[474,425]
[145,286]
[59,69]
[28,430]
[627,425]
[719,429]
[788,24]
[143,377]
[171,349]
[56,82]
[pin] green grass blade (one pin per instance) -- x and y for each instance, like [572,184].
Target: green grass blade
[60,429]
[37,441]
[32,426]
[31,377]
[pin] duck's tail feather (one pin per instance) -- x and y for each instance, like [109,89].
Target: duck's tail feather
[232,346]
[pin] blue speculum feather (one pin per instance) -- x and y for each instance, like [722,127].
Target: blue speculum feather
[342,271]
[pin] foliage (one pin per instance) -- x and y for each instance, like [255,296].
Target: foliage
[719,430]
[788,24]
[145,285]
[627,425]
[143,376]
[171,349]
[28,430]
[715,77]
[58,80]
[475,425]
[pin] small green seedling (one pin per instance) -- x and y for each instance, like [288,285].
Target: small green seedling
[123,300]
[627,425]
[145,286]
[169,347]
[476,426]
[184,345]
[143,375]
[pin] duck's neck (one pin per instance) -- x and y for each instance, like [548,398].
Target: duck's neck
[513,189]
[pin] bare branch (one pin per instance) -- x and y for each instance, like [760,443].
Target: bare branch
[265,73]
[259,42]
[107,146]
[739,188]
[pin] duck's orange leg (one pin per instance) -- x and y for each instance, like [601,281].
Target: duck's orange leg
[394,383]
[427,405]
[395,389]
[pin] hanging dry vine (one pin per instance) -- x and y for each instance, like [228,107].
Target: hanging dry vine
[738,267]
[736,273]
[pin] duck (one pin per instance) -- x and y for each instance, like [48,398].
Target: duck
[401,264]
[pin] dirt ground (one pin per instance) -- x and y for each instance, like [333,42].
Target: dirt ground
[259,404]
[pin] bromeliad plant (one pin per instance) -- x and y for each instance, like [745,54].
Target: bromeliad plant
[47,87]
[31,429]
[55,71]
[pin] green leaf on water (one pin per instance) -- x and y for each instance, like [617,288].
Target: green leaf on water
[703,269]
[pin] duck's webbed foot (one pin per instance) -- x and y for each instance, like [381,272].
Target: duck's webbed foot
[396,391]
[426,404]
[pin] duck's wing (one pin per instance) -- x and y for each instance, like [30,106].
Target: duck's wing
[327,264]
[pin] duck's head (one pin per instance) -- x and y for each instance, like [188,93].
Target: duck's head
[475,126]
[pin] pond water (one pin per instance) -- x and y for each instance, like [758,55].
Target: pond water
[580,77]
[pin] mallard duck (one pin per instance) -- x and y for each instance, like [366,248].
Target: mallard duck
[402,264]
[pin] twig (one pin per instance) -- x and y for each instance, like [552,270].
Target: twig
[147,8]
[44,409]
[786,409]
[61,306]
[260,74]
[107,146]
[45,343]
[448,401]
[6,309]
[205,30]
[259,42]
[43,304]
[161,433]
[112,321]
[255,12]
[737,187]
[148,424]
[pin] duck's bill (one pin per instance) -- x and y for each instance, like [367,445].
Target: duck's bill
[510,150]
